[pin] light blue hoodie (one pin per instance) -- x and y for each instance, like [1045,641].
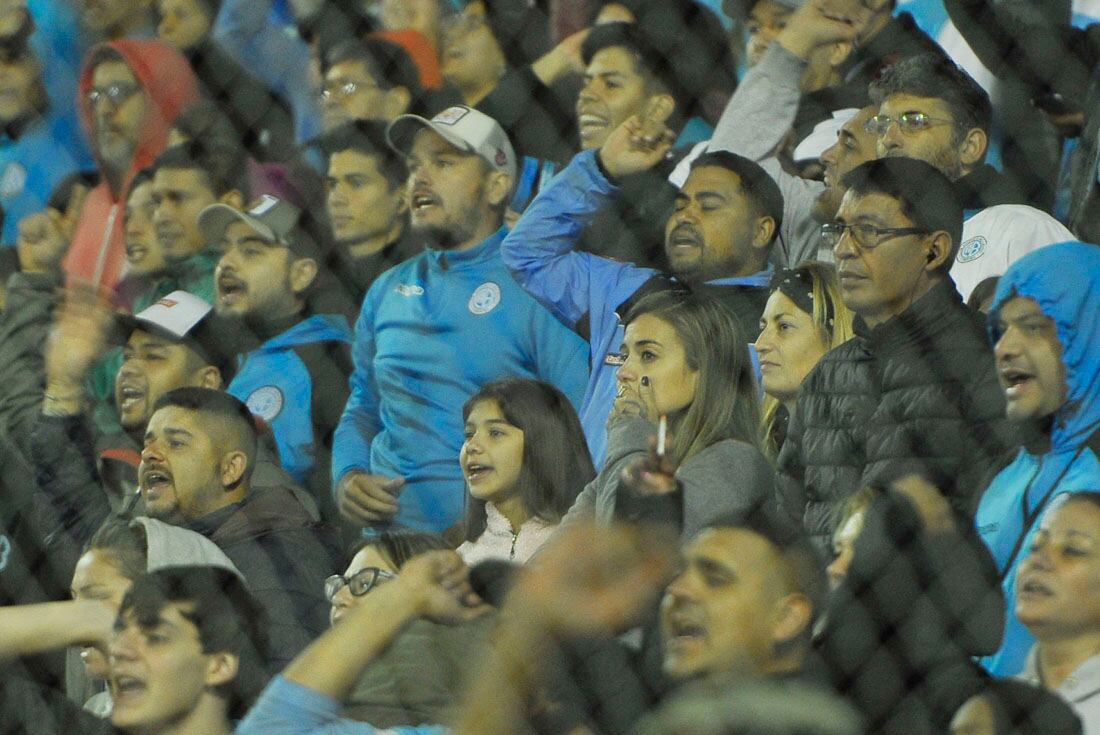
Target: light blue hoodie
[1064,279]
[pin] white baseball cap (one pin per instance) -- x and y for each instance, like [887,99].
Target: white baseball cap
[823,136]
[463,127]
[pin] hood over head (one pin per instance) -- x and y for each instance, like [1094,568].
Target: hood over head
[1064,279]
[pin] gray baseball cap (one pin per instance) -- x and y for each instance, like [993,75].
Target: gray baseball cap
[463,127]
[274,219]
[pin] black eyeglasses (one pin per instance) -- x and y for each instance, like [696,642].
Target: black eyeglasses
[358,584]
[908,123]
[865,236]
[115,94]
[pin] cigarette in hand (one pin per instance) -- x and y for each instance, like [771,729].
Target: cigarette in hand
[662,432]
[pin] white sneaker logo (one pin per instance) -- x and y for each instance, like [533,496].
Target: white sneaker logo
[406,290]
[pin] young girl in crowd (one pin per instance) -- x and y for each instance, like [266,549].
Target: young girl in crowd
[1058,599]
[524,461]
[803,319]
[685,361]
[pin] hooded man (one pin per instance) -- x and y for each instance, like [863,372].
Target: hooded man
[130,93]
[1045,322]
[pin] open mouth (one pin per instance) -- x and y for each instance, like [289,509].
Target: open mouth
[123,687]
[1033,588]
[136,253]
[230,289]
[422,202]
[128,397]
[684,630]
[155,481]
[684,237]
[590,124]
[475,472]
[1015,380]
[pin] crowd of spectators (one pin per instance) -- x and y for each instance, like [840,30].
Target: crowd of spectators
[549,366]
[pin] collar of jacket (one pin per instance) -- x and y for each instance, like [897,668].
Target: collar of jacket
[924,319]
[487,249]
[984,187]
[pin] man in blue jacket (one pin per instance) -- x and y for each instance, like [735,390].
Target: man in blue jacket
[295,376]
[437,327]
[718,239]
[1045,319]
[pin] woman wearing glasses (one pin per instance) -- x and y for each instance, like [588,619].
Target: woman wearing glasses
[803,319]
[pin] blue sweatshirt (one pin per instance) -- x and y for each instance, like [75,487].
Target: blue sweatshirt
[277,385]
[578,287]
[431,332]
[1010,510]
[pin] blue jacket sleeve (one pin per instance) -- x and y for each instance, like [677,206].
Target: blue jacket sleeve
[539,251]
[286,708]
[360,422]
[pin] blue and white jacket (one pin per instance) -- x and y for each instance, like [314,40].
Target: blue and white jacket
[1064,280]
[582,290]
[277,385]
[431,332]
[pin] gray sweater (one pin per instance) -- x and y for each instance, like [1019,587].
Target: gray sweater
[727,478]
[755,121]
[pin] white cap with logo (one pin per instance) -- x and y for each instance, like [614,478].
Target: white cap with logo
[463,127]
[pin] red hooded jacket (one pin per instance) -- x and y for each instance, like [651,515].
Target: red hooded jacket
[97,254]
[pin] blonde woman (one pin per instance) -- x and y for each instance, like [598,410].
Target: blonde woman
[803,319]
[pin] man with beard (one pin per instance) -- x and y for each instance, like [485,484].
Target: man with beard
[295,378]
[718,239]
[437,327]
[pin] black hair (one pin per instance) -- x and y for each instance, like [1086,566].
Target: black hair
[805,568]
[222,166]
[654,66]
[144,176]
[367,137]
[388,63]
[925,195]
[399,546]
[226,615]
[218,405]
[761,188]
[556,461]
[936,76]
[62,195]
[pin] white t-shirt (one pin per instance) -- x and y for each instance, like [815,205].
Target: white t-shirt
[996,237]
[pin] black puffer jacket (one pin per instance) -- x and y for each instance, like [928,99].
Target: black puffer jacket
[920,388]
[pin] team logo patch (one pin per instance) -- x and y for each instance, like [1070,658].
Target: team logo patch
[451,115]
[266,402]
[5,552]
[13,180]
[972,249]
[485,298]
[409,290]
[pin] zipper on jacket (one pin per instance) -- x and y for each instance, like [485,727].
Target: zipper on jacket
[515,537]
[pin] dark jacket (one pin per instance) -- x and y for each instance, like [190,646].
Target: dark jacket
[539,119]
[261,118]
[919,388]
[985,187]
[285,556]
[24,327]
[901,38]
[914,608]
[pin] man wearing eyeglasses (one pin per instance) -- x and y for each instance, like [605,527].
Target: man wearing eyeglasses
[916,385]
[374,79]
[930,109]
[131,92]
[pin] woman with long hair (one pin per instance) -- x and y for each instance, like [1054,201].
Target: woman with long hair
[524,461]
[685,364]
[803,319]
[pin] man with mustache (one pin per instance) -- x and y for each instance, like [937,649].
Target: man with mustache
[130,93]
[437,327]
[197,462]
[916,384]
[1044,321]
[719,239]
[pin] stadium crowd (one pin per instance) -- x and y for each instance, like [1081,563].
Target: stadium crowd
[549,366]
